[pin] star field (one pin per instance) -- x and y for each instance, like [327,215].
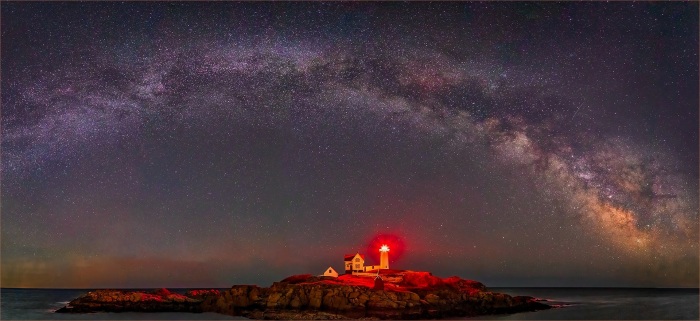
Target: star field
[209,144]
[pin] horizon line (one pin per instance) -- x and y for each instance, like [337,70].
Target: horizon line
[513,287]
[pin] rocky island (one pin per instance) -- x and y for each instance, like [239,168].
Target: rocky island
[393,294]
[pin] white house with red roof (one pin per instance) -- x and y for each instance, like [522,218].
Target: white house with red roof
[354,263]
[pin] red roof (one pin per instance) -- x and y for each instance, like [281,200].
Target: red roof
[348,257]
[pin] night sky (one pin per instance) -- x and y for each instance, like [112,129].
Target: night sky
[155,144]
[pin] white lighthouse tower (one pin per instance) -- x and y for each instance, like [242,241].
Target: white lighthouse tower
[384,257]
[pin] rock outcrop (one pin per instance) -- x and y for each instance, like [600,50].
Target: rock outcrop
[406,295]
[160,300]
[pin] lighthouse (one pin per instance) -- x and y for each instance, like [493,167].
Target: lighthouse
[384,257]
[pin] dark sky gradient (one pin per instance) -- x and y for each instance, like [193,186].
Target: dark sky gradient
[155,144]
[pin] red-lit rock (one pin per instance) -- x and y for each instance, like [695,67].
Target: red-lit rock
[199,294]
[297,278]
[420,280]
[160,300]
[406,295]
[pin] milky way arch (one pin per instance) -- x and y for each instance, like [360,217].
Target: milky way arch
[633,192]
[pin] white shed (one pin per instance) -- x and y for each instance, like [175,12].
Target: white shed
[330,272]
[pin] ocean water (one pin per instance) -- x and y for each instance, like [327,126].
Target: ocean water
[576,304]
[606,304]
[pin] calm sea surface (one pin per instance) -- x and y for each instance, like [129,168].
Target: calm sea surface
[607,304]
[577,303]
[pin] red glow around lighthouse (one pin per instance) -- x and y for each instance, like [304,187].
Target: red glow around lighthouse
[394,244]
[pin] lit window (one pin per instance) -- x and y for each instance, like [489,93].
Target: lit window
[357,259]
[357,266]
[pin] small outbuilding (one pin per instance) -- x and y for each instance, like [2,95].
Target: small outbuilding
[378,283]
[330,272]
